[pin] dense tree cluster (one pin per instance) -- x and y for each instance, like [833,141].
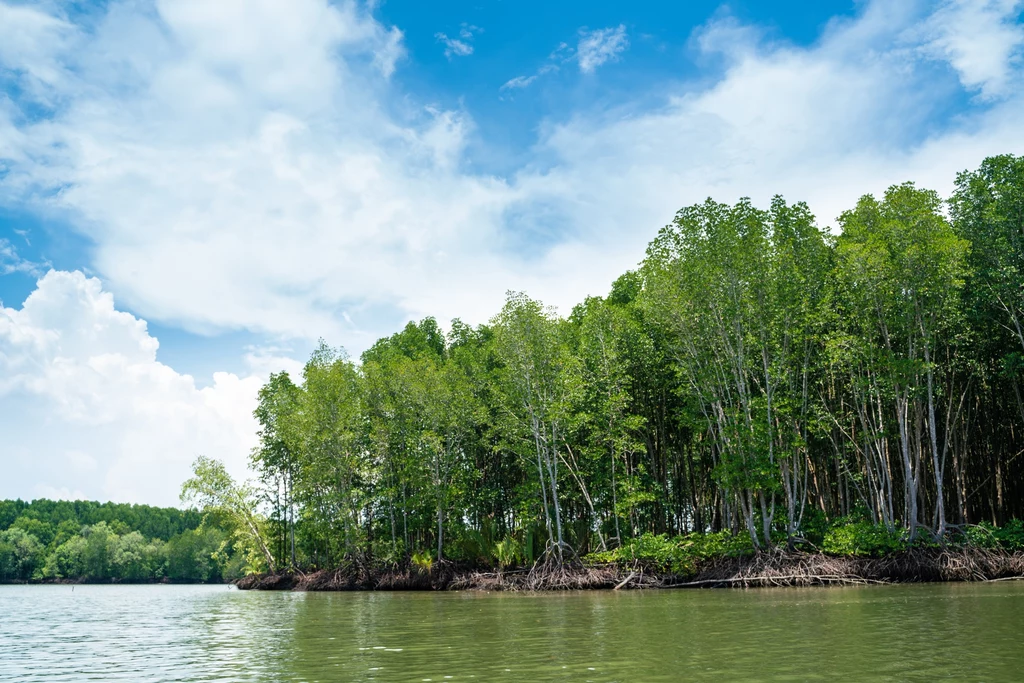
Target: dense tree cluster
[756,374]
[83,540]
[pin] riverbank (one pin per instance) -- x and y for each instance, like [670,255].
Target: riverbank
[774,568]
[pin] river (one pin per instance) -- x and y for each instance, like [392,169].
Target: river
[214,633]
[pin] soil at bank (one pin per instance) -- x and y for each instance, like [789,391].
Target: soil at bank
[774,568]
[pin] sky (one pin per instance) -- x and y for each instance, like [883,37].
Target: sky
[193,193]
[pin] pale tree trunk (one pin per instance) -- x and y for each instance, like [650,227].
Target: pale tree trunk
[910,478]
[940,500]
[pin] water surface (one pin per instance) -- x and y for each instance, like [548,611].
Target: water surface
[969,632]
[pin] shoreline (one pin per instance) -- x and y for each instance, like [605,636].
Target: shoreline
[771,568]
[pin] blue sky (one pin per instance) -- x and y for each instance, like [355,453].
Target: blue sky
[192,193]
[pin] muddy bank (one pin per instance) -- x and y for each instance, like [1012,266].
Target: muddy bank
[450,578]
[775,568]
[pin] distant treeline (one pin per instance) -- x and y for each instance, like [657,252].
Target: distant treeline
[90,541]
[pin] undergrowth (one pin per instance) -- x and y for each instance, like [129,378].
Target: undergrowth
[852,536]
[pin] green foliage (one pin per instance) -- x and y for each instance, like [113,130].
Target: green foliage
[133,559]
[35,549]
[1011,535]
[423,561]
[151,522]
[860,537]
[986,535]
[43,531]
[99,546]
[235,506]
[508,552]
[191,556]
[20,554]
[814,526]
[67,561]
[680,555]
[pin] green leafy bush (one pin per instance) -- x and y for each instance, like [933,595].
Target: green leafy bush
[677,555]
[987,535]
[423,561]
[508,552]
[1011,535]
[861,537]
[981,535]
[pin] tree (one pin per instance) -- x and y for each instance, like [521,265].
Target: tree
[988,210]
[132,558]
[213,490]
[532,384]
[21,554]
[904,267]
[277,456]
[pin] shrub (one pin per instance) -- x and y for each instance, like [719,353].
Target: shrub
[981,535]
[1011,535]
[861,537]
[508,552]
[423,561]
[679,555]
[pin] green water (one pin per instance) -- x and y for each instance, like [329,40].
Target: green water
[210,633]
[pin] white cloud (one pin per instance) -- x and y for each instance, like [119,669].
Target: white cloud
[237,168]
[390,50]
[28,37]
[250,168]
[264,360]
[981,39]
[848,115]
[81,461]
[454,46]
[600,46]
[12,262]
[88,411]
[62,493]
[522,82]
[518,82]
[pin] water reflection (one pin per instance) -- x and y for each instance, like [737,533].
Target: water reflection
[210,633]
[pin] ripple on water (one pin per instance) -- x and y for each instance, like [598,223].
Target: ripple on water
[210,633]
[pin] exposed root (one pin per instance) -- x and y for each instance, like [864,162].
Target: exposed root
[781,568]
[776,567]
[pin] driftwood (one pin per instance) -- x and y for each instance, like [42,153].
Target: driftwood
[624,581]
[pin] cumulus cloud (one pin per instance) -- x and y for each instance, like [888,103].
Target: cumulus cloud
[88,411]
[600,46]
[249,168]
[236,167]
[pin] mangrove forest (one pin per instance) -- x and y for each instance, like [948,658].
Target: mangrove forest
[758,382]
